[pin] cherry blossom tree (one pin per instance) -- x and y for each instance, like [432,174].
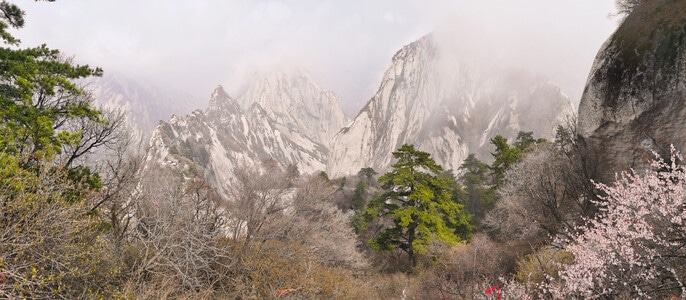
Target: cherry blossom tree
[636,246]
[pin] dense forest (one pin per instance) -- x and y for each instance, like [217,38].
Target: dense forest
[79,221]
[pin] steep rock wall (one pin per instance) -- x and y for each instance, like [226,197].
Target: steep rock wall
[447,107]
[634,102]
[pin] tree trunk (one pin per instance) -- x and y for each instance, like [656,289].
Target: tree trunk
[410,240]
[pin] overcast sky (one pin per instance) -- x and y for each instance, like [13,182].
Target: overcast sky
[345,44]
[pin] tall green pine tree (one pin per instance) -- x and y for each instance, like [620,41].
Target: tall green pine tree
[419,204]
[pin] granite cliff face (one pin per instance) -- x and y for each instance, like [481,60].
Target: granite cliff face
[293,98]
[447,107]
[428,97]
[635,98]
[212,143]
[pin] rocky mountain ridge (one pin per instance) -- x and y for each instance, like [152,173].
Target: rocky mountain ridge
[430,98]
[427,97]
[213,143]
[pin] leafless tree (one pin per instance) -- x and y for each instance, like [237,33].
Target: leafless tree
[106,131]
[118,163]
[258,195]
[53,232]
[547,193]
[466,270]
[180,234]
[264,207]
[537,201]
[316,222]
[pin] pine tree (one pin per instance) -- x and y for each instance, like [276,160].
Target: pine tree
[418,203]
[505,155]
[39,102]
[479,191]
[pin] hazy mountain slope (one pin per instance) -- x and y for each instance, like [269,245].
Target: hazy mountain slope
[212,143]
[294,100]
[145,103]
[446,107]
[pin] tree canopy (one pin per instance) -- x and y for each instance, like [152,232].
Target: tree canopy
[40,103]
[505,155]
[418,203]
[481,180]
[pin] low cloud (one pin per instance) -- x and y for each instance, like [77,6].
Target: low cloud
[346,45]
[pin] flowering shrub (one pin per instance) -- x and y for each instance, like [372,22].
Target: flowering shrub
[636,246]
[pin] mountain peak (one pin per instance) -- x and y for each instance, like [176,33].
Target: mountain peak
[219,92]
[292,98]
[443,105]
[223,137]
[425,43]
[221,101]
[277,84]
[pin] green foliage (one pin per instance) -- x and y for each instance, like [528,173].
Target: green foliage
[51,246]
[367,174]
[12,16]
[525,139]
[505,155]
[563,136]
[360,196]
[38,98]
[84,179]
[341,183]
[360,221]
[419,205]
[477,182]
[324,176]
[292,174]
[459,195]
[481,180]
[533,268]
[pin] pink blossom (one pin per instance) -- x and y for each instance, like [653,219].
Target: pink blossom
[637,243]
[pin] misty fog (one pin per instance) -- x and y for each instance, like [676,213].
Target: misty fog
[346,45]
